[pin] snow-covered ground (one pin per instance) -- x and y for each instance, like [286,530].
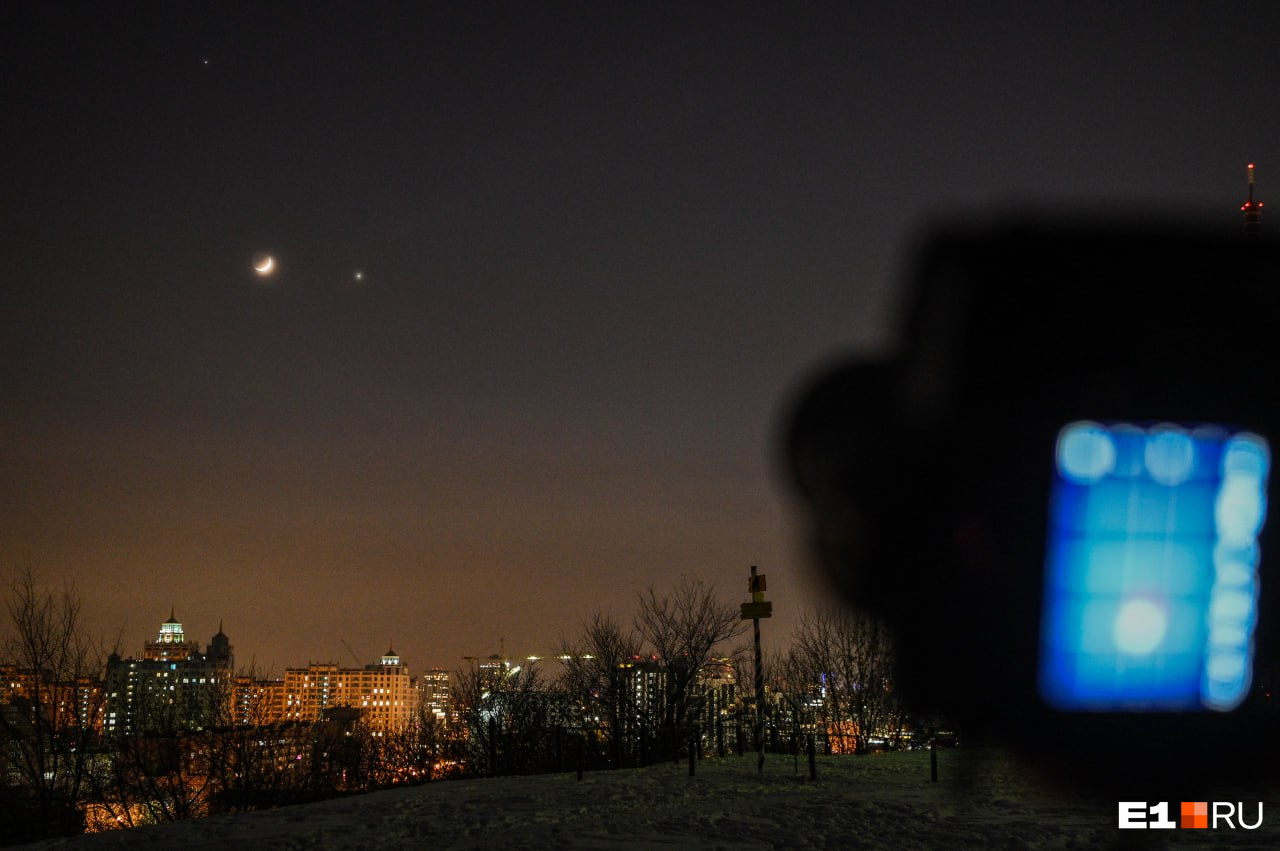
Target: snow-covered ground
[982,800]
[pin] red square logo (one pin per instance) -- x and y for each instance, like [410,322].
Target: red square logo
[1195,813]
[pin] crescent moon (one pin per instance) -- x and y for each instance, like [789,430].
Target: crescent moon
[265,266]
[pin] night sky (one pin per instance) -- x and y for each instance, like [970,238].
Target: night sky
[600,245]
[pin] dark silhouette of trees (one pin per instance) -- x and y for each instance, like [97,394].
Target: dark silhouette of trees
[50,726]
[255,761]
[599,680]
[683,627]
[162,769]
[849,655]
[508,714]
[415,753]
[164,776]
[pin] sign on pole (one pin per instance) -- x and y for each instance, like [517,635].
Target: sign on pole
[755,610]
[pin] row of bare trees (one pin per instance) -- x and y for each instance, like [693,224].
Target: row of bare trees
[181,775]
[837,676]
[834,679]
[622,688]
[638,685]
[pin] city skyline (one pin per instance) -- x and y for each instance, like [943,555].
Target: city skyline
[187,637]
[544,279]
[504,651]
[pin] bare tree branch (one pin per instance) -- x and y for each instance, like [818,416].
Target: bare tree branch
[682,628]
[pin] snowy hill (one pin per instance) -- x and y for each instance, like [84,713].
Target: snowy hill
[982,800]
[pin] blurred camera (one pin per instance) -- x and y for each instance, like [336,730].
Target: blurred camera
[1055,491]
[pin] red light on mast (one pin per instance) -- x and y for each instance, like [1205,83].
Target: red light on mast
[1252,210]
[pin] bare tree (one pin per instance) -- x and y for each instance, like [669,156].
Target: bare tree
[507,713]
[160,771]
[410,753]
[254,759]
[599,679]
[848,656]
[241,758]
[682,628]
[51,720]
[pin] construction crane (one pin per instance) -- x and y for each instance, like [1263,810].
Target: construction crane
[501,656]
[359,664]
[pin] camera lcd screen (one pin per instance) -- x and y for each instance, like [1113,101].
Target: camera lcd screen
[1151,581]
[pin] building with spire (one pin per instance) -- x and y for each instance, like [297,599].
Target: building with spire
[171,644]
[172,686]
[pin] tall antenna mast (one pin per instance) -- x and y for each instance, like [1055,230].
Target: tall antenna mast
[1252,210]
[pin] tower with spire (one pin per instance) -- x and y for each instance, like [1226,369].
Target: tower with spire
[172,687]
[1252,210]
[219,651]
[171,643]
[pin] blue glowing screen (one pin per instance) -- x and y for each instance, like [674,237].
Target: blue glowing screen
[1151,581]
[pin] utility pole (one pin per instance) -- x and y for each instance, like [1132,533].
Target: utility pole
[755,610]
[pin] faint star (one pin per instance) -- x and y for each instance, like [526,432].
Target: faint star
[358,276]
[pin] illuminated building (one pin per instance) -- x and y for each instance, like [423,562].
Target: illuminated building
[646,680]
[258,701]
[172,687]
[718,686]
[491,669]
[64,702]
[171,643]
[437,695]
[385,694]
